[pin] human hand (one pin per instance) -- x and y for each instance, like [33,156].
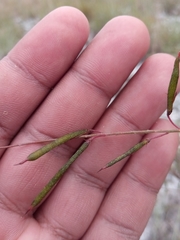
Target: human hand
[45,94]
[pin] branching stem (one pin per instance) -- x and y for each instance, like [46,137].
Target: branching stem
[95,135]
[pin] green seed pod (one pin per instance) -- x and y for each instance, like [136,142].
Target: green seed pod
[127,154]
[46,190]
[48,147]
[173,86]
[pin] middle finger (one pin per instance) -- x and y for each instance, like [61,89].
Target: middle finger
[100,77]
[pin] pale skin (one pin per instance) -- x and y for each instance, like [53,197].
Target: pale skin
[43,91]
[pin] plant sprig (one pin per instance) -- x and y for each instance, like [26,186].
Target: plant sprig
[89,135]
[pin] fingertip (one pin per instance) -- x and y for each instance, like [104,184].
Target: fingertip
[72,17]
[134,27]
[51,46]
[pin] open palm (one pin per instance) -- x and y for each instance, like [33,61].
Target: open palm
[46,92]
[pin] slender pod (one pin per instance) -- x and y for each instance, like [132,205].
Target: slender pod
[46,190]
[126,154]
[48,147]
[173,86]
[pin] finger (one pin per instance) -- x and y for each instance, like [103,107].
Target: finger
[91,91]
[128,205]
[82,181]
[35,64]
[28,74]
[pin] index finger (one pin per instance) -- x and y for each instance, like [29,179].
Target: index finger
[34,66]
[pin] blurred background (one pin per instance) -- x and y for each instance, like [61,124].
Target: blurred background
[162,18]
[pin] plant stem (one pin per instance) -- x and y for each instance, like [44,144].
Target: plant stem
[95,135]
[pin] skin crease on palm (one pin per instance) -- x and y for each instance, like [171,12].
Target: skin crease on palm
[45,94]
